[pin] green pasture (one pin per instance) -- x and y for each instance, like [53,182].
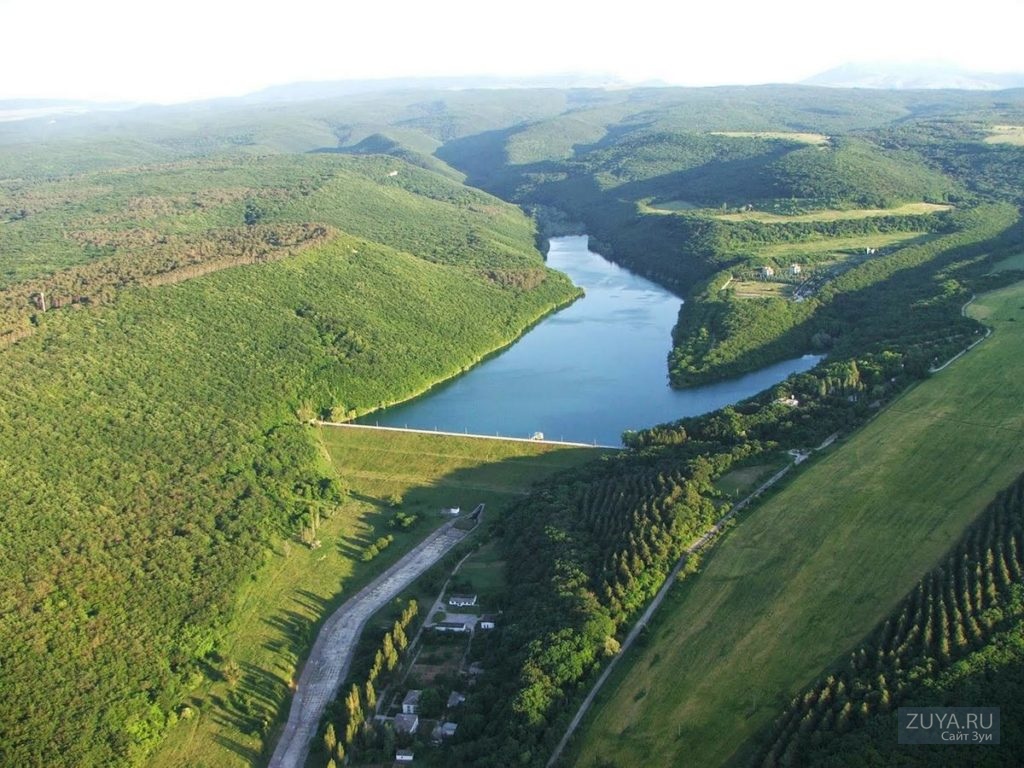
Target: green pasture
[809,572]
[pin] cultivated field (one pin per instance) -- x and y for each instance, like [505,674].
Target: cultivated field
[766,217]
[1006,134]
[838,246]
[278,614]
[814,139]
[761,289]
[810,571]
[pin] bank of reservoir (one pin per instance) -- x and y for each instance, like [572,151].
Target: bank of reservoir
[585,374]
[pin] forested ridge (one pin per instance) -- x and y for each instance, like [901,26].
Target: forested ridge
[152,447]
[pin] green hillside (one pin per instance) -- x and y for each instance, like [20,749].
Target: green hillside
[152,453]
[818,565]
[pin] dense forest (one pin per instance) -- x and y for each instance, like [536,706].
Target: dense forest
[151,438]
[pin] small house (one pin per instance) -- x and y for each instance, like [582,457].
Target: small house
[406,724]
[451,626]
[767,272]
[488,621]
[403,755]
[448,730]
[461,600]
[411,703]
[795,269]
[792,402]
[455,699]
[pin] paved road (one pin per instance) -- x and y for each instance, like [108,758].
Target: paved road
[332,652]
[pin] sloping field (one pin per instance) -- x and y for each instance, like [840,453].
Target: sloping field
[278,612]
[766,217]
[808,573]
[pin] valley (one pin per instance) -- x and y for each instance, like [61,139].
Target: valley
[187,294]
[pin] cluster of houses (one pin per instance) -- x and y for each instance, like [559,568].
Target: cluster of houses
[407,723]
[486,621]
[768,271]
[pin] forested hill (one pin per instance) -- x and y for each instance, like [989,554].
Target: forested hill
[165,334]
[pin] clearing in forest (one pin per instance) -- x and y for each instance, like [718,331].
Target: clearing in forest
[830,214]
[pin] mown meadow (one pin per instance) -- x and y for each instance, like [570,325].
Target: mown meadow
[797,585]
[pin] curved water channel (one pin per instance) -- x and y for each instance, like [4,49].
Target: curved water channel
[585,374]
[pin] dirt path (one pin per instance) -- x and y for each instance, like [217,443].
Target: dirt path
[328,662]
[642,622]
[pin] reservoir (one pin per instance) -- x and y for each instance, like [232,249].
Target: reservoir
[584,374]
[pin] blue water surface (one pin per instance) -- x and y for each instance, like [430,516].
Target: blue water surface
[584,374]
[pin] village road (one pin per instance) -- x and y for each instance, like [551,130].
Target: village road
[329,660]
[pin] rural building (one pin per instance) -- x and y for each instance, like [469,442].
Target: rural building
[454,699]
[476,669]
[461,600]
[451,626]
[767,272]
[450,511]
[795,269]
[792,402]
[406,724]
[411,703]
[443,731]
[403,755]
[488,621]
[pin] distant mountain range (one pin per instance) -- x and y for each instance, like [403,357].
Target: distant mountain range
[306,91]
[909,75]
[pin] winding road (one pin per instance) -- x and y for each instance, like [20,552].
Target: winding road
[328,662]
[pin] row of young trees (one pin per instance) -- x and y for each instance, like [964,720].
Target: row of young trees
[955,610]
[355,720]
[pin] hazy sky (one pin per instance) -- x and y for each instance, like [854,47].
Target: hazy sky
[188,49]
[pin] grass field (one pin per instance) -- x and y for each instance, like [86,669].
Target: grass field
[811,570]
[1011,262]
[761,289]
[765,217]
[853,245]
[278,614]
[1006,134]
[814,139]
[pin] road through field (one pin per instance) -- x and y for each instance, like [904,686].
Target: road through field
[328,662]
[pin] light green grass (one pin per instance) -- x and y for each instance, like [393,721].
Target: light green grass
[814,139]
[743,480]
[765,217]
[1006,134]
[807,574]
[852,245]
[761,289]
[1011,262]
[277,615]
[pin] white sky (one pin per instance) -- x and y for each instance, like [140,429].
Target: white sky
[178,50]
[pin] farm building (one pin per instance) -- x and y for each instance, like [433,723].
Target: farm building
[451,626]
[488,621]
[795,269]
[461,600]
[406,724]
[411,703]
[767,272]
